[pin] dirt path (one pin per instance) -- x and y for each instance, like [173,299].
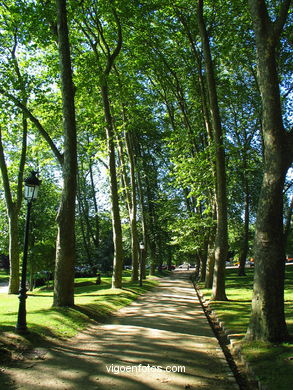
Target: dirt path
[163,331]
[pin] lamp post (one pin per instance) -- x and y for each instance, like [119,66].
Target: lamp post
[141,247]
[31,187]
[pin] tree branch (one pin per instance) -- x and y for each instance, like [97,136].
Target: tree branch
[36,122]
[118,47]
[281,19]
[22,161]
[5,177]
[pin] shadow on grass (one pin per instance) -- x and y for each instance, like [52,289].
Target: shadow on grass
[101,308]
[240,300]
[272,363]
[95,312]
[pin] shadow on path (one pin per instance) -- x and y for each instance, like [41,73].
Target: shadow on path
[160,341]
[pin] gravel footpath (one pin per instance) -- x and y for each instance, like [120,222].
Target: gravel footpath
[161,341]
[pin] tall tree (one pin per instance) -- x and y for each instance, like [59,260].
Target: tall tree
[221,240]
[267,318]
[65,246]
[13,204]
[105,56]
[13,208]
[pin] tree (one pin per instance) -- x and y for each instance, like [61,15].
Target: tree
[267,318]
[13,204]
[13,208]
[221,240]
[65,246]
[93,30]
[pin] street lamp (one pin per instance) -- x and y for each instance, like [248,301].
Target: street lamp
[31,187]
[141,247]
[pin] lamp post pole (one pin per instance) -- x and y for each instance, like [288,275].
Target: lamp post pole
[32,184]
[21,320]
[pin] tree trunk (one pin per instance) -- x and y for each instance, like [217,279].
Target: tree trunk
[116,220]
[210,265]
[13,208]
[245,238]
[211,252]
[221,240]
[288,222]
[143,222]
[84,221]
[133,210]
[267,320]
[13,252]
[129,186]
[96,237]
[65,245]
[203,261]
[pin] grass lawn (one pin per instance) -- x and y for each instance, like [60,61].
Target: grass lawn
[272,364]
[92,302]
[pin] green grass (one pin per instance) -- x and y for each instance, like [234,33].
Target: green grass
[272,364]
[92,302]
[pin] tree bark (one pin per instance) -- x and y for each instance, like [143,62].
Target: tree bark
[116,220]
[143,222]
[133,209]
[13,287]
[96,237]
[245,238]
[267,320]
[130,198]
[110,57]
[65,246]
[288,222]
[221,240]
[13,209]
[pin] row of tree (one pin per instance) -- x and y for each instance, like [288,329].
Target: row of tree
[188,115]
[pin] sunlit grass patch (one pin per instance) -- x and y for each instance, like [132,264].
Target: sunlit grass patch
[92,302]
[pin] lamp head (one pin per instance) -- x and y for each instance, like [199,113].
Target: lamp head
[31,186]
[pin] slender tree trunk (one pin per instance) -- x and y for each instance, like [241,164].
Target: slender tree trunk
[134,246]
[82,216]
[203,261]
[267,320]
[133,210]
[245,238]
[288,222]
[210,265]
[129,186]
[65,245]
[97,222]
[116,220]
[13,252]
[143,222]
[211,253]
[221,241]
[13,208]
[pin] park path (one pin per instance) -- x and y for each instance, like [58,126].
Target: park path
[163,330]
